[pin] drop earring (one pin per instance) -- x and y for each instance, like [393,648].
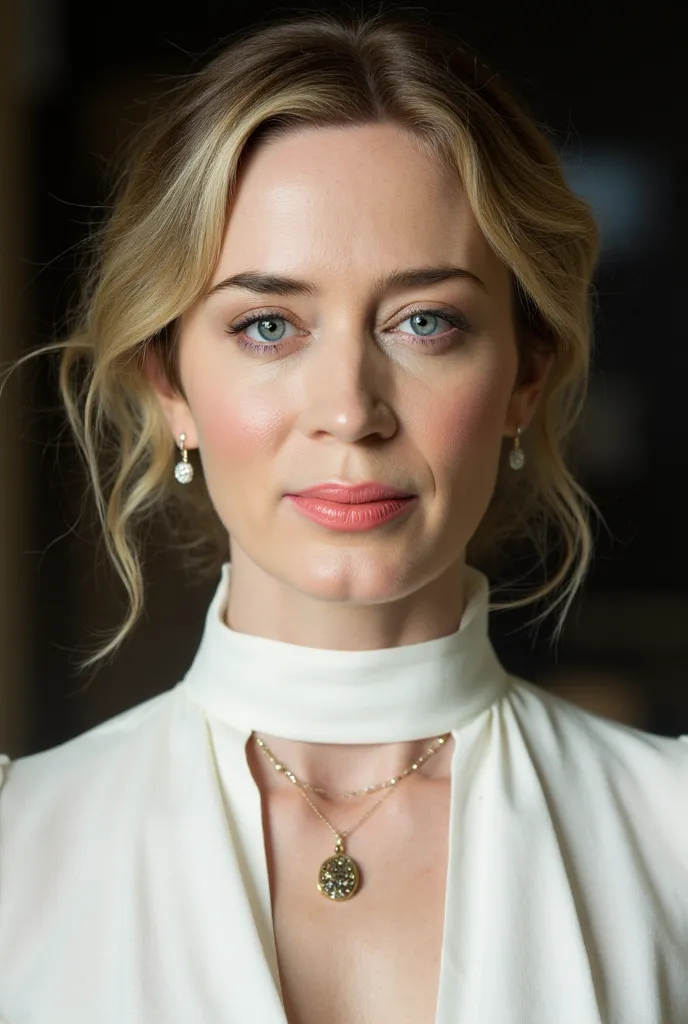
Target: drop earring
[183,471]
[517,457]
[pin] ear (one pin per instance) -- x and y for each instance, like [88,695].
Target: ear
[174,406]
[527,393]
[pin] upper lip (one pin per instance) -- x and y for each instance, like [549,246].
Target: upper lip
[353,494]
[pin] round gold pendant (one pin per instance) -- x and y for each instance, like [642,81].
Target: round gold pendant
[339,877]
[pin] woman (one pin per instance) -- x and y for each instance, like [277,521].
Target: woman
[368,359]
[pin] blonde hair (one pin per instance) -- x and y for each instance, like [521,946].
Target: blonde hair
[161,244]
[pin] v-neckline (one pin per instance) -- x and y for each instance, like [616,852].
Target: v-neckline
[446,982]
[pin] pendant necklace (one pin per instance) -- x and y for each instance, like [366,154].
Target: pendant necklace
[339,877]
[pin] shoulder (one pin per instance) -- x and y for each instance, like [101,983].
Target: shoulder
[71,820]
[566,727]
[602,767]
[47,786]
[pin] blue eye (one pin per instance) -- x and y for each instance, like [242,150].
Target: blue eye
[269,328]
[425,323]
[266,333]
[269,332]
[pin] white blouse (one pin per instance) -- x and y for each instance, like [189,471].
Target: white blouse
[133,876]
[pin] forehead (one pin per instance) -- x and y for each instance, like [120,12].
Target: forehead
[361,199]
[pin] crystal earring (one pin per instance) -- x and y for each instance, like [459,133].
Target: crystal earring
[183,471]
[517,456]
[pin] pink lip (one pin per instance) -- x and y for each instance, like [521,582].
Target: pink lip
[351,516]
[352,494]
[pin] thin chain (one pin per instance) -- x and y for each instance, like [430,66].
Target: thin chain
[390,784]
[343,833]
[350,793]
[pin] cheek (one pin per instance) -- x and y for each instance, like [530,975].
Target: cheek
[234,425]
[465,423]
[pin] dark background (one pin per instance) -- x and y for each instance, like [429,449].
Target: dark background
[609,81]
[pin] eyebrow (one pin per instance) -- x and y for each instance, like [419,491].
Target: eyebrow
[274,284]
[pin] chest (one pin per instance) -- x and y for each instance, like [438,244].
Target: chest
[376,956]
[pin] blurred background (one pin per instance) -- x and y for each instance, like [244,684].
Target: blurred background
[609,81]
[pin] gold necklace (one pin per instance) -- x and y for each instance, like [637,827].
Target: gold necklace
[339,877]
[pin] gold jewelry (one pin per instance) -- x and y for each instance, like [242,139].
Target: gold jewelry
[339,877]
[350,793]
[517,457]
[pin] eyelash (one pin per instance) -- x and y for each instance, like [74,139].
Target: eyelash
[455,319]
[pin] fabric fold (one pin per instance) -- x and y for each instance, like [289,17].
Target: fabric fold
[330,696]
[134,881]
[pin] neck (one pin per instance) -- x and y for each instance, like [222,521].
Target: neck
[260,605]
[367,712]
[344,612]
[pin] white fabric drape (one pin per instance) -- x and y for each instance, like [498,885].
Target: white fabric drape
[133,876]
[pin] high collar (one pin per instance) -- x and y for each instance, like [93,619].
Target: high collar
[321,695]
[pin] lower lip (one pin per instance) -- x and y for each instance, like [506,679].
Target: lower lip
[348,517]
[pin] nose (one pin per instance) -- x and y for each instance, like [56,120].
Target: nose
[346,390]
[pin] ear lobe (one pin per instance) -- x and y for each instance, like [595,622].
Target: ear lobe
[173,405]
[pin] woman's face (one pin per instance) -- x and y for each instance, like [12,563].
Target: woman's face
[356,367]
